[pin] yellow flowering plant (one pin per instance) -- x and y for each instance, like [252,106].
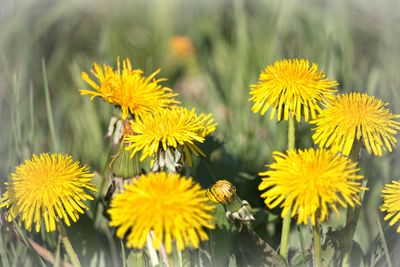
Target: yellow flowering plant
[309,183]
[148,198]
[356,117]
[291,88]
[128,89]
[50,188]
[174,208]
[169,136]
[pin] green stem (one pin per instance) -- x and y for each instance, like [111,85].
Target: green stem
[317,246]
[301,237]
[123,256]
[285,236]
[291,133]
[287,219]
[352,213]
[68,246]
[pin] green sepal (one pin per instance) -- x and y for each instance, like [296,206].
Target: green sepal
[137,258]
[122,165]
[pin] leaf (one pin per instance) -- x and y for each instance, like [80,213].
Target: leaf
[232,261]
[220,219]
[247,176]
[297,259]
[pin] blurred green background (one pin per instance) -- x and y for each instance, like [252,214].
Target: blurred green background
[223,46]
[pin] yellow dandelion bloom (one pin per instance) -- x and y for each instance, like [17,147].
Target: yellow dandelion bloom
[168,205]
[222,192]
[129,89]
[291,87]
[170,128]
[49,187]
[356,116]
[391,202]
[310,183]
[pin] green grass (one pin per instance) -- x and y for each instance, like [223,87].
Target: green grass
[44,45]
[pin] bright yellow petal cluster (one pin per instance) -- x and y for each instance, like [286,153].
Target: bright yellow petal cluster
[391,202]
[170,128]
[356,116]
[129,89]
[291,87]
[310,183]
[168,205]
[49,187]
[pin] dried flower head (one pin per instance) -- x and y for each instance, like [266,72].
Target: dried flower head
[222,192]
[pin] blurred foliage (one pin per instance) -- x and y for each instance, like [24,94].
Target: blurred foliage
[354,42]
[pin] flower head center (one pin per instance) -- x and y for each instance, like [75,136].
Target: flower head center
[316,174]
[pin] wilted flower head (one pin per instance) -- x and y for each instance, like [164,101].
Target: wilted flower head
[310,183]
[291,87]
[175,127]
[391,202]
[356,116]
[173,207]
[222,192]
[49,187]
[129,89]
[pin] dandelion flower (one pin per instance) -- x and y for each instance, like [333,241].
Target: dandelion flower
[48,186]
[129,89]
[170,128]
[310,183]
[391,202]
[168,205]
[356,116]
[181,46]
[222,192]
[291,87]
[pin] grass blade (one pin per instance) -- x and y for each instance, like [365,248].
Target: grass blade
[48,108]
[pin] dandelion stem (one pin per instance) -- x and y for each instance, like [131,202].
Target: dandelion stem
[285,236]
[291,133]
[287,219]
[317,245]
[68,246]
[301,237]
[123,256]
[352,213]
